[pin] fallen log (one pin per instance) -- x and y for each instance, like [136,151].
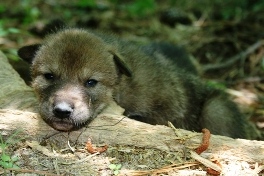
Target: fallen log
[132,133]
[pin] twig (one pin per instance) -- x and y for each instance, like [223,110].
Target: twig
[158,171]
[81,160]
[258,168]
[205,162]
[69,145]
[233,59]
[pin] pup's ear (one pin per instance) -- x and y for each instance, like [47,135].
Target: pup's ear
[27,53]
[120,64]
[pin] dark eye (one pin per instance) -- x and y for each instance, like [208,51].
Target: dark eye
[91,83]
[49,76]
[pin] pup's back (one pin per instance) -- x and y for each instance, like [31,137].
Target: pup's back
[161,91]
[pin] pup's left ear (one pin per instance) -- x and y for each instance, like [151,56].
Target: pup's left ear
[120,64]
[27,53]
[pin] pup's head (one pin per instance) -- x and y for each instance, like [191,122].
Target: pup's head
[74,73]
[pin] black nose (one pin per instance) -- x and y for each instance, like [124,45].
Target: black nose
[62,110]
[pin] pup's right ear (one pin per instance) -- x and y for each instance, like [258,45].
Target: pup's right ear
[27,53]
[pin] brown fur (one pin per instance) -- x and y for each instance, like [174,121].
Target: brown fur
[150,90]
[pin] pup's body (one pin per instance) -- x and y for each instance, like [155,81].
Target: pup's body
[76,74]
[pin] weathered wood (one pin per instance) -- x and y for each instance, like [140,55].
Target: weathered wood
[14,93]
[132,133]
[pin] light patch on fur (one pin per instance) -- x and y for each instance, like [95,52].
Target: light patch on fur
[63,105]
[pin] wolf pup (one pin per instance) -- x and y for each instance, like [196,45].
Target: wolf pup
[77,73]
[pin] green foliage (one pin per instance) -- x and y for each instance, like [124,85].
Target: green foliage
[216,85]
[86,3]
[233,9]
[219,9]
[258,6]
[136,8]
[115,168]
[262,63]
[237,9]
[23,10]
[141,8]
[11,54]
[6,31]
[6,161]
[2,8]
[30,10]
